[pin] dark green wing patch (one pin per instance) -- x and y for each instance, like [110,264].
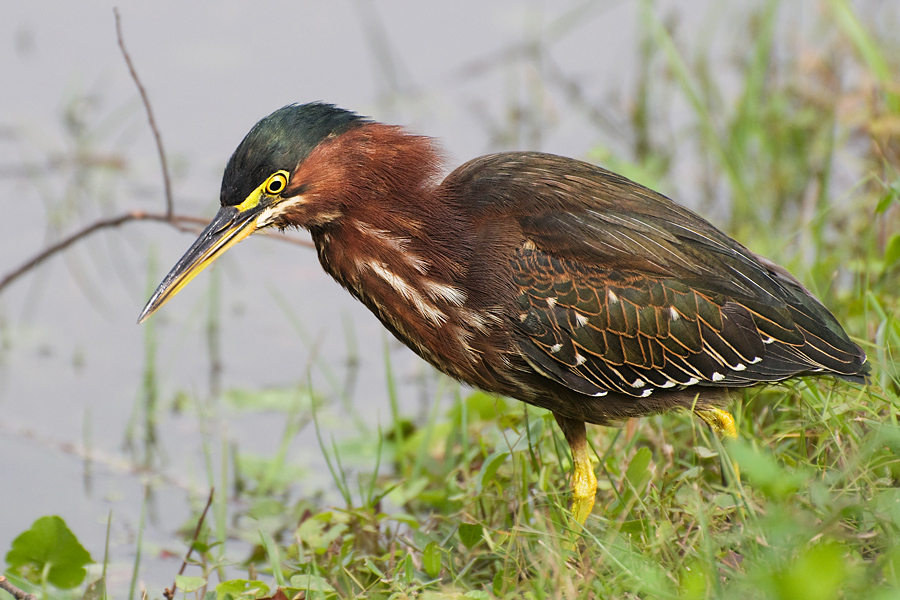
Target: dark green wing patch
[620,288]
[595,331]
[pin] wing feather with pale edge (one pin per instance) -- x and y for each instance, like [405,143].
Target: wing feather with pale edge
[621,289]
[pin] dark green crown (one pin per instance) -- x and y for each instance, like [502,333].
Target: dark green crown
[282,140]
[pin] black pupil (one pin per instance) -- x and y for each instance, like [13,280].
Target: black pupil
[276,185]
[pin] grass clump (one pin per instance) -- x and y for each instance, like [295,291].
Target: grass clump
[814,515]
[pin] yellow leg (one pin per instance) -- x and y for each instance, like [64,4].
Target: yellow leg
[584,482]
[720,421]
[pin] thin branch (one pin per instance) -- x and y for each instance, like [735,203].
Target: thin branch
[14,591]
[180,222]
[159,146]
[170,592]
[176,220]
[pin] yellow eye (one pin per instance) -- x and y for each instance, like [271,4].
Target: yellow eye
[276,183]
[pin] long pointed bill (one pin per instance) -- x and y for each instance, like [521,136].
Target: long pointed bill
[229,226]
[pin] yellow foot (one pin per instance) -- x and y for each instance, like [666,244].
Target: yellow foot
[720,421]
[584,482]
[584,485]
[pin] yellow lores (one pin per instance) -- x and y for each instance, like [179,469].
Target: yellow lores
[230,225]
[272,186]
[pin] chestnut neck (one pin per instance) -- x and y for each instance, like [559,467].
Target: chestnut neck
[384,182]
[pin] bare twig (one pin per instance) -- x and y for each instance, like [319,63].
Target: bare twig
[159,146]
[180,222]
[14,591]
[176,220]
[170,592]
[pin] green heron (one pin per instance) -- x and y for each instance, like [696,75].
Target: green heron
[535,276]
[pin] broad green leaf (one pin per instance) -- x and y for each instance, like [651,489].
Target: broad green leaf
[242,587]
[637,473]
[373,568]
[189,584]
[765,473]
[817,574]
[431,559]
[489,468]
[50,545]
[406,570]
[892,252]
[319,533]
[470,534]
[892,558]
[311,583]
[497,583]
[886,201]
[694,581]
[704,452]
